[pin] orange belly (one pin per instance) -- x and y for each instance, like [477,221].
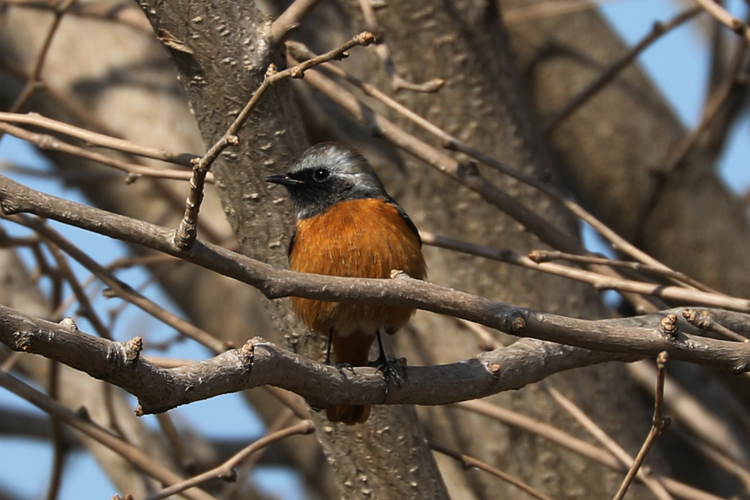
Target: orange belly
[361,239]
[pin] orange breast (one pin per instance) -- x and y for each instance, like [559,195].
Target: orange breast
[361,239]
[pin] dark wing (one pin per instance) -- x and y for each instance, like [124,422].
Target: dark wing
[406,218]
[291,243]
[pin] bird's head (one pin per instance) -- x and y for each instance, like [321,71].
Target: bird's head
[327,174]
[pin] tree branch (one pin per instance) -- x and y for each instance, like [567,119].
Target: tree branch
[101,140]
[260,363]
[725,18]
[49,143]
[291,19]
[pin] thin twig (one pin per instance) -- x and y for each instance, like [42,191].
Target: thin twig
[659,29]
[692,414]
[725,18]
[86,309]
[181,454]
[617,241]
[61,99]
[225,469]
[652,483]
[597,280]
[703,320]
[7,241]
[279,422]
[291,400]
[714,141]
[576,445]
[44,268]
[101,140]
[83,115]
[656,487]
[487,341]
[34,81]
[549,255]
[50,143]
[66,304]
[125,263]
[186,233]
[11,361]
[56,434]
[659,423]
[384,53]
[680,152]
[469,462]
[291,19]
[719,457]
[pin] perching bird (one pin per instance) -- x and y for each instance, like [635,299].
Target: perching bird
[348,225]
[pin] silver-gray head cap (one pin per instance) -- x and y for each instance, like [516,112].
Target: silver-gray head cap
[326,174]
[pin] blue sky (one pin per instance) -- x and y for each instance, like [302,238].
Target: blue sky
[677,63]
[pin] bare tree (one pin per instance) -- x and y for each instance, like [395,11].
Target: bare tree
[458,107]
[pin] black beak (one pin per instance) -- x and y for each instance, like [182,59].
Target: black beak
[284,180]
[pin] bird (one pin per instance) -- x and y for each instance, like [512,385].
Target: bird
[348,225]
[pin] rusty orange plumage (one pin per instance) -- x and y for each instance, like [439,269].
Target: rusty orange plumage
[348,225]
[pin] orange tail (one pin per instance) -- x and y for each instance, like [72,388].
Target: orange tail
[352,349]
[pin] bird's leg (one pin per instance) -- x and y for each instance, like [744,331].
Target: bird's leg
[339,366]
[387,367]
[330,343]
[382,359]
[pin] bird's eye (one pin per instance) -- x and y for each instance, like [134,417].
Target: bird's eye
[320,175]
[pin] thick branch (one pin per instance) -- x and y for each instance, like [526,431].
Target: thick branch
[261,363]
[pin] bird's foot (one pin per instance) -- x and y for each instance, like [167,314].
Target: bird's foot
[342,366]
[390,372]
